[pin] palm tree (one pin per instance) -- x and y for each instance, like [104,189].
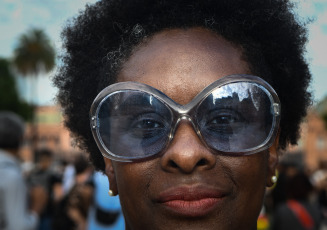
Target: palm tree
[321,108]
[34,55]
[9,95]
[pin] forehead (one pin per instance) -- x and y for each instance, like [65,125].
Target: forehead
[181,63]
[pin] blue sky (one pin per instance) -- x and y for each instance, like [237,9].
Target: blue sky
[17,16]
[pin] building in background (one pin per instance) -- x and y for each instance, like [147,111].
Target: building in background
[314,140]
[311,150]
[51,134]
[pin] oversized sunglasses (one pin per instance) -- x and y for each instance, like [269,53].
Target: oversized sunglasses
[235,115]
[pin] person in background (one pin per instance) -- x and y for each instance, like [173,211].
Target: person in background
[319,181]
[298,212]
[68,179]
[42,175]
[72,210]
[14,211]
[279,194]
[105,212]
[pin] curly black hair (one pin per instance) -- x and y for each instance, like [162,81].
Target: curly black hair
[100,39]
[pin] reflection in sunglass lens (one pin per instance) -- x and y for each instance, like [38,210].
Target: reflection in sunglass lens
[235,117]
[134,124]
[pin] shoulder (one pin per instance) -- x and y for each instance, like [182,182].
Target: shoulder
[283,211]
[10,173]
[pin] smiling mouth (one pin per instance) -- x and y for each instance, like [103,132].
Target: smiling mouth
[190,201]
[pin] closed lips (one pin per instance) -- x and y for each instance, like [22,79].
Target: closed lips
[191,201]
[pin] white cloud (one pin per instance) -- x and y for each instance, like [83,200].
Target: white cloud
[18,16]
[317,46]
[40,12]
[317,43]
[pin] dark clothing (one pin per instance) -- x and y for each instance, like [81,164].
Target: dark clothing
[285,219]
[47,179]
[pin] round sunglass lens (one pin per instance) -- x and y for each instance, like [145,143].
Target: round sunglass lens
[236,118]
[134,124]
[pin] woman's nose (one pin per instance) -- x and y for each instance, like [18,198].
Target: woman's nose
[186,152]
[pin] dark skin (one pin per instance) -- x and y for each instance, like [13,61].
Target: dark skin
[181,63]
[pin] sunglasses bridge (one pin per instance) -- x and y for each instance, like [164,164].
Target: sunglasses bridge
[184,117]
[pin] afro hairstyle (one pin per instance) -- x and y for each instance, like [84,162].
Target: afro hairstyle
[101,38]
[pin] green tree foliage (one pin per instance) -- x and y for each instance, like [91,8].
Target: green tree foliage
[324,117]
[9,97]
[321,108]
[34,53]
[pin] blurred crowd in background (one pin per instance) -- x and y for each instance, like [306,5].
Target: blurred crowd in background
[75,194]
[53,192]
[298,200]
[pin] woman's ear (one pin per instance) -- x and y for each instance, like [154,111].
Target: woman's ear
[272,162]
[110,172]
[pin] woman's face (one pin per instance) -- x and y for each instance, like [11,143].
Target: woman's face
[188,187]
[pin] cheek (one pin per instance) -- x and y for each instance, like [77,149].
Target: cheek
[133,180]
[249,175]
[132,177]
[252,169]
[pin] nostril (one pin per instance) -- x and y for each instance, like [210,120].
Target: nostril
[187,164]
[173,164]
[202,162]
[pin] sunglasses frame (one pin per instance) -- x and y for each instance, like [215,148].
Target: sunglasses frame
[184,112]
